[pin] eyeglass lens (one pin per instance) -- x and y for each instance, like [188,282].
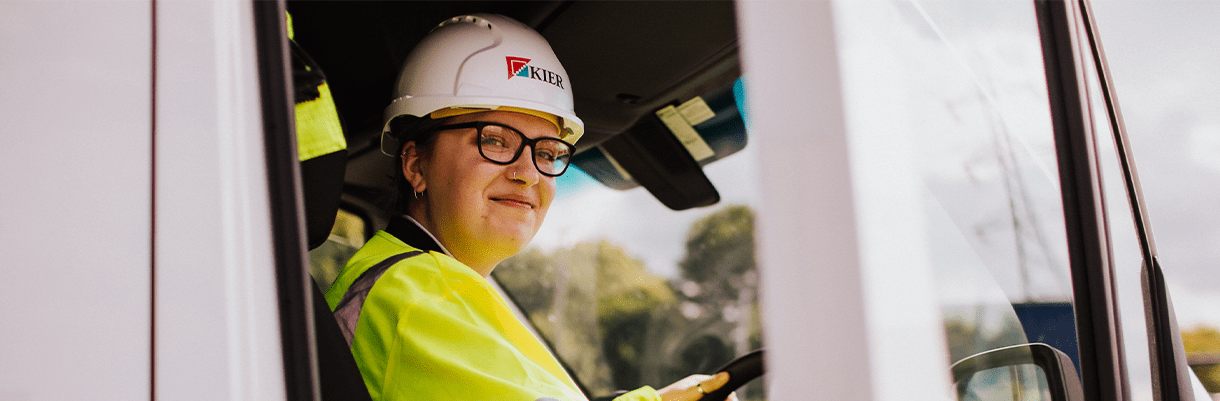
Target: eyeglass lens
[503,145]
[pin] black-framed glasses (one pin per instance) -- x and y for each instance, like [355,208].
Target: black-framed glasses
[502,144]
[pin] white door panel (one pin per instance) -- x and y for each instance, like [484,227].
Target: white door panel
[74,208]
[217,332]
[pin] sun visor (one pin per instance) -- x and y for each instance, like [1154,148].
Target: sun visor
[666,150]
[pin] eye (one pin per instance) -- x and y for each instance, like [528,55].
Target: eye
[546,155]
[551,152]
[493,141]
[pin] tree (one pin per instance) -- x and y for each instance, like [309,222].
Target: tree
[1200,342]
[597,296]
[627,295]
[592,296]
[718,296]
[721,270]
[720,244]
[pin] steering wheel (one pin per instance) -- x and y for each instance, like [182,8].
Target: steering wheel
[741,370]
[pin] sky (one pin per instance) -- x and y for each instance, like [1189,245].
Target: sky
[1165,62]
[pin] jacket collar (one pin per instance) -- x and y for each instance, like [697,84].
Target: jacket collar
[407,230]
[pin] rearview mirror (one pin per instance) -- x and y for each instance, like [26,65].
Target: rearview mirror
[1020,372]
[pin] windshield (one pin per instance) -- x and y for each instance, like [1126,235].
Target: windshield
[631,293]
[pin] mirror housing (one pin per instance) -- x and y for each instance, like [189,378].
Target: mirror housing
[1061,377]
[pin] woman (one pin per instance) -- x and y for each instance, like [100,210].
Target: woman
[483,111]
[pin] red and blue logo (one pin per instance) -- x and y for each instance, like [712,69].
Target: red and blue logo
[520,67]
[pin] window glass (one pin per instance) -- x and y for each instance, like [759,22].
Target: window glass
[951,141]
[327,260]
[631,293]
[1165,85]
[1125,247]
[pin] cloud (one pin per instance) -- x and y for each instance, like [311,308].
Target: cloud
[1204,146]
[1193,307]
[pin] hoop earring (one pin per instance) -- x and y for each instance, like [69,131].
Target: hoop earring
[415,193]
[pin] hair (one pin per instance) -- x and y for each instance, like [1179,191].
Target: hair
[399,194]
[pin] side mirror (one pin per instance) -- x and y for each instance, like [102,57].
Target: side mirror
[1019,372]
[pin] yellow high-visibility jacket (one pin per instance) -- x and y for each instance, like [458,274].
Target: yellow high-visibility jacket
[423,326]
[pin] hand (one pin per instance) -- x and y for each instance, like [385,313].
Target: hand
[693,387]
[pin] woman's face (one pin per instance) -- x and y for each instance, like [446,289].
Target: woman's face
[483,212]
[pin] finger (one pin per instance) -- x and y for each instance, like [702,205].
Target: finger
[715,382]
[696,392]
[686,394]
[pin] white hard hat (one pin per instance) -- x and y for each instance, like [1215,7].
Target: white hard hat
[484,62]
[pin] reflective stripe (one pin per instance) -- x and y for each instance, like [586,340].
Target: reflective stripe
[347,313]
[288,17]
[436,330]
[318,129]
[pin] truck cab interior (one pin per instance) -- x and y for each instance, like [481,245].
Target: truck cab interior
[932,199]
[627,61]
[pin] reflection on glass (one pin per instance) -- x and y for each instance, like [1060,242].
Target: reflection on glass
[962,85]
[1019,382]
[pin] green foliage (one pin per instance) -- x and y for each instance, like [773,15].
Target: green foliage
[625,286]
[597,296]
[721,282]
[593,296]
[530,278]
[328,259]
[720,244]
[1203,340]
[720,265]
[967,335]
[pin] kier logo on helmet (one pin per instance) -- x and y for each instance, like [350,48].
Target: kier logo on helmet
[519,67]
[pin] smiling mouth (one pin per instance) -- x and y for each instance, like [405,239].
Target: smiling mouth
[514,202]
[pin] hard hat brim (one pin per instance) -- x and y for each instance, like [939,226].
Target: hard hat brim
[420,106]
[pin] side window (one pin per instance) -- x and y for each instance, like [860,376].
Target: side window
[1125,246]
[327,260]
[1168,158]
[955,165]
